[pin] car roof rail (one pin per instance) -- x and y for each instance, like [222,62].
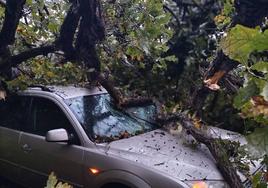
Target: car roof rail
[42,87]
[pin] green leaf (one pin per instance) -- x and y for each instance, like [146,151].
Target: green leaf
[245,94]
[260,66]
[259,139]
[241,41]
[29,2]
[256,179]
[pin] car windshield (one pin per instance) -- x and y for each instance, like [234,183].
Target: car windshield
[102,122]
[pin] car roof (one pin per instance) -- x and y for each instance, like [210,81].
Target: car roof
[67,92]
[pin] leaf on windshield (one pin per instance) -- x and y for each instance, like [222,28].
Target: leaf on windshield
[122,135]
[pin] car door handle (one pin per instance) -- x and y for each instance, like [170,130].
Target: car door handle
[26,148]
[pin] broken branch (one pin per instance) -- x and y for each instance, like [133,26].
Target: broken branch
[15,60]
[215,147]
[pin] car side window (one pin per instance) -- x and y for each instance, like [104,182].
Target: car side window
[14,112]
[46,116]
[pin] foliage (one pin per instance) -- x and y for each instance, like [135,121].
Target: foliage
[259,139]
[242,41]
[259,180]
[53,182]
[240,44]
[138,32]
[227,12]
[137,35]
[144,65]
[249,46]
[142,51]
[40,23]
[42,71]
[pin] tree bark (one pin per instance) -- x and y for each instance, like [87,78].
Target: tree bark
[91,30]
[67,32]
[13,14]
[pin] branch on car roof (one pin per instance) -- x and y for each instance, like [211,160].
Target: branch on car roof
[133,102]
[109,86]
[214,145]
[118,97]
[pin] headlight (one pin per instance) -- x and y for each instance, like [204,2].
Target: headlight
[207,184]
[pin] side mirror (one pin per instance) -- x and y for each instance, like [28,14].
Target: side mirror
[57,135]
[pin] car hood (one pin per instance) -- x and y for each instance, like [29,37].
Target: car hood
[173,154]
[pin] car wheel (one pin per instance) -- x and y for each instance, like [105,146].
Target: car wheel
[115,185]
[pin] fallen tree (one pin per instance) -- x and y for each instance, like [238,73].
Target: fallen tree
[81,30]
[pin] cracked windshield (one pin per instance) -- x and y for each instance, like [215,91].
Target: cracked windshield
[103,122]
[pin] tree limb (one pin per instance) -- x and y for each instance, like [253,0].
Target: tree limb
[108,85]
[67,32]
[133,102]
[15,60]
[214,145]
[91,30]
[43,50]
[13,14]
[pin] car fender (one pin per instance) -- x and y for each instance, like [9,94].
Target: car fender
[120,176]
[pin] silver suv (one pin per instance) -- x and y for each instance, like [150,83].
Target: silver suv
[79,134]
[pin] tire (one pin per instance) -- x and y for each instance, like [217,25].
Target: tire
[115,185]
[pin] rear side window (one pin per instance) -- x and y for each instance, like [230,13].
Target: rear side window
[46,116]
[14,112]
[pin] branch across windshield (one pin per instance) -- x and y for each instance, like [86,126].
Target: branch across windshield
[102,122]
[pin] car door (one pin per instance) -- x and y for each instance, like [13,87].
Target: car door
[13,114]
[39,157]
